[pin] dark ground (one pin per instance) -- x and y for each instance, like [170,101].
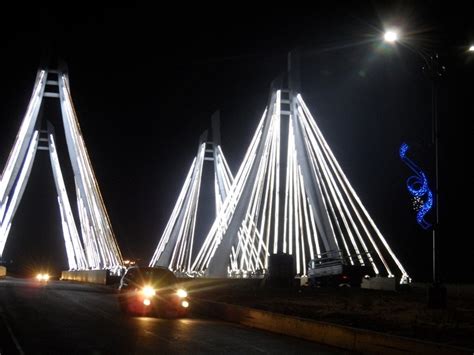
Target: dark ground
[403,313]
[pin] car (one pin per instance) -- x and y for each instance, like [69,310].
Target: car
[152,291]
[43,277]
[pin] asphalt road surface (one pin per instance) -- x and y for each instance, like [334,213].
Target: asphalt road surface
[70,318]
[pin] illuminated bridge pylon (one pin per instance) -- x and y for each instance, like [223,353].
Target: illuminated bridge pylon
[179,239]
[95,247]
[291,196]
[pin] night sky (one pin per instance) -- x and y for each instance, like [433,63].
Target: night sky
[146,81]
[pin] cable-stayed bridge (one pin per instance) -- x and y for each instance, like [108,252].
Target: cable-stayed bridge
[93,245]
[289,196]
[176,247]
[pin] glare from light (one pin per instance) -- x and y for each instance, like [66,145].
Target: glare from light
[182,293]
[391,36]
[148,291]
[471,48]
[146,302]
[42,277]
[185,304]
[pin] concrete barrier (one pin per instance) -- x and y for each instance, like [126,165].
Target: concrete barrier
[353,339]
[380,283]
[91,276]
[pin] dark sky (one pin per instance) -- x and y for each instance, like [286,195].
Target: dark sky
[145,82]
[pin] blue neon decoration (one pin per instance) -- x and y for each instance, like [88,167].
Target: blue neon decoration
[418,187]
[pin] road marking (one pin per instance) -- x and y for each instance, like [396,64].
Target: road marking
[13,337]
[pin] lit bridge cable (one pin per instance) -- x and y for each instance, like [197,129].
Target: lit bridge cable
[178,242]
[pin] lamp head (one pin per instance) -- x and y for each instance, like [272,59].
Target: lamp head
[391,36]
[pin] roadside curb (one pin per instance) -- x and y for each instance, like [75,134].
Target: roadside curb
[105,288]
[348,338]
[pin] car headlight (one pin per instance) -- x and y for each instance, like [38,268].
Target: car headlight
[42,277]
[148,291]
[182,293]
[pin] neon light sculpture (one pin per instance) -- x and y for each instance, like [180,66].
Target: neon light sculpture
[418,187]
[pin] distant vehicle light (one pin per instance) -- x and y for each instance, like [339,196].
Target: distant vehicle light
[185,304]
[182,293]
[148,291]
[42,277]
[146,302]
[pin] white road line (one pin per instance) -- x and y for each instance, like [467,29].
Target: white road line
[13,337]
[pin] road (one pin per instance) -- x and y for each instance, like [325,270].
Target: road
[69,318]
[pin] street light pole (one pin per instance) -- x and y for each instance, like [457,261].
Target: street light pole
[434,114]
[434,70]
[436,73]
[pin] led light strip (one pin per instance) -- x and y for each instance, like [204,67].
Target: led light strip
[101,246]
[179,235]
[74,248]
[18,190]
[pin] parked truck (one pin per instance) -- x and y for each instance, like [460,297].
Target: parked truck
[335,271]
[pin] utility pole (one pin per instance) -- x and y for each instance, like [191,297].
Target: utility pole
[434,70]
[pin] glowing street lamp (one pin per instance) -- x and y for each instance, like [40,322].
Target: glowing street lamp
[471,48]
[391,36]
